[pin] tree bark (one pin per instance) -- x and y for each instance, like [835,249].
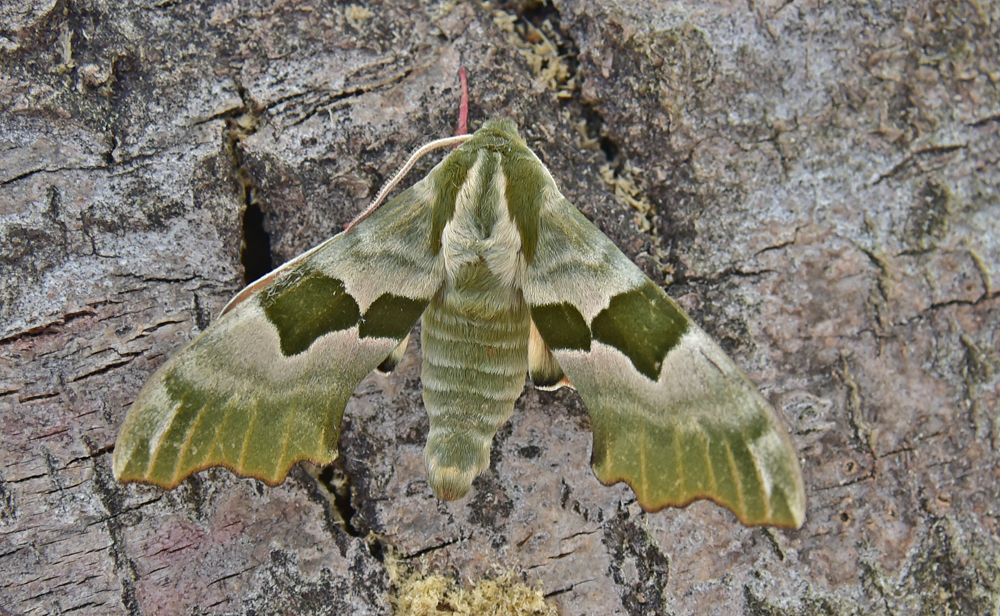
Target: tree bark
[817,185]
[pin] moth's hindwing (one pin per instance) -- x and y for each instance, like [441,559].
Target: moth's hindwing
[672,415]
[392,360]
[542,365]
[266,384]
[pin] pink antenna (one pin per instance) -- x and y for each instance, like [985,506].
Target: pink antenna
[463,110]
[461,136]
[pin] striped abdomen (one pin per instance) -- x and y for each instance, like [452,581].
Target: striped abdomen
[474,369]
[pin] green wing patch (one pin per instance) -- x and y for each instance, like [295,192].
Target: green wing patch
[391,316]
[305,305]
[561,326]
[644,324]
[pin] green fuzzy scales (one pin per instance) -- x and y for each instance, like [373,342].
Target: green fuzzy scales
[509,278]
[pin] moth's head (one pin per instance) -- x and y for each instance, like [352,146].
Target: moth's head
[497,135]
[502,126]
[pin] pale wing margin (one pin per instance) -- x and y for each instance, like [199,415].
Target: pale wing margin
[266,384]
[672,415]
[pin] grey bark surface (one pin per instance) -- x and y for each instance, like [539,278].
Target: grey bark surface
[825,201]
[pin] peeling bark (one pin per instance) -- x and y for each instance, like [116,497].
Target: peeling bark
[817,185]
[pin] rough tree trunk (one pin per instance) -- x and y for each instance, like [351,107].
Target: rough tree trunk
[817,183]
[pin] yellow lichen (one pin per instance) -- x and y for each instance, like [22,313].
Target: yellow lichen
[629,189]
[539,46]
[627,184]
[65,42]
[357,15]
[418,593]
[586,141]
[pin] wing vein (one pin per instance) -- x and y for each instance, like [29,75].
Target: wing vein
[681,481]
[643,475]
[159,440]
[186,448]
[708,459]
[284,446]
[764,480]
[740,502]
[218,431]
[246,439]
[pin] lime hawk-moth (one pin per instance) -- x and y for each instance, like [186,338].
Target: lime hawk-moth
[509,279]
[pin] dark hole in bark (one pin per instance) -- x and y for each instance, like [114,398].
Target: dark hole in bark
[338,484]
[256,257]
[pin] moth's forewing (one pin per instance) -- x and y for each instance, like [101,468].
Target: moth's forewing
[266,384]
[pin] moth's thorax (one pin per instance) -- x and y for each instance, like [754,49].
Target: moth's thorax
[489,194]
[481,245]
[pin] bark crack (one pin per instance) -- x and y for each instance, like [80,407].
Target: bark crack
[914,155]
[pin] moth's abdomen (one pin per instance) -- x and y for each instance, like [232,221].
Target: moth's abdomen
[474,369]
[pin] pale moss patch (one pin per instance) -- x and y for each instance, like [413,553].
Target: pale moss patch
[584,140]
[357,15]
[65,43]
[626,182]
[539,46]
[441,9]
[416,593]
[629,189]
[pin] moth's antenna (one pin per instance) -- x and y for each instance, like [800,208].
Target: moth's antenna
[398,177]
[460,137]
[463,109]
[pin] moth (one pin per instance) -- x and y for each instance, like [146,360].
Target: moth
[509,279]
